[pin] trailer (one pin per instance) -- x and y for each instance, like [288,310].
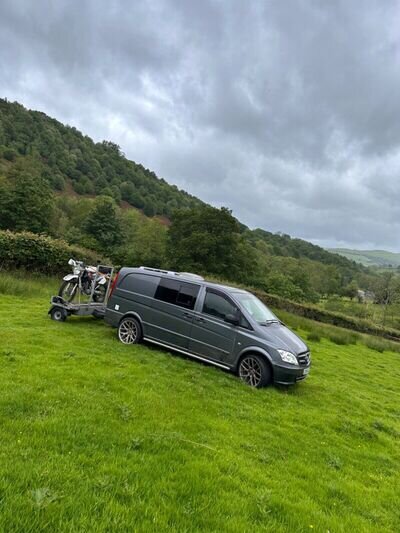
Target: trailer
[61,309]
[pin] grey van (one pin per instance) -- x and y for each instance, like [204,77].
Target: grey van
[224,326]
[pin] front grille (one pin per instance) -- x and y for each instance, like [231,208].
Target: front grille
[304,358]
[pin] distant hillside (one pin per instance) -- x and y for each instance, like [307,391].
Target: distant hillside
[284,245]
[72,159]
[380,258]
[48,167]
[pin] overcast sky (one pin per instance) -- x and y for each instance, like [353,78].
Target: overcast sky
[288,112]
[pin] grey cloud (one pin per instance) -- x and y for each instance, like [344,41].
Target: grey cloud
[288,112]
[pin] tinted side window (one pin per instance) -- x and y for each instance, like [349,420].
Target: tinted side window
[167,290]
[139,283]
[217,305]
[187,295]
[177,293]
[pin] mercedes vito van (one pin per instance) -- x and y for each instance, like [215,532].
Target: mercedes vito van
[224,326]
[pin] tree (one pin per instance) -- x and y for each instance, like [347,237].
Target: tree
[144,240]
[102,224]
[128,192]
[278,283]
[29,204]
[6,218]
[350,290]
[148,209]
[387,291]
[205,239]
[10,154]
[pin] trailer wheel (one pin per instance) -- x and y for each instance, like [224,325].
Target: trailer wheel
[58,314]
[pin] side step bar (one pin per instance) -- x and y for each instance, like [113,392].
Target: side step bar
[184,352]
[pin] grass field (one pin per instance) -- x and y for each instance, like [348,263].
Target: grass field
[374,313]
[98,436]
[380,258]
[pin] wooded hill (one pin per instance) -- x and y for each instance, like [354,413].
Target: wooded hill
[92,168]
[57,181]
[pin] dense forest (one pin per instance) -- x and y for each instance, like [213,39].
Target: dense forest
[56,181]
[72,159]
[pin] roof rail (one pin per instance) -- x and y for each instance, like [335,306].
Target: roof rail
[156,270]
[190,275]
[183,274]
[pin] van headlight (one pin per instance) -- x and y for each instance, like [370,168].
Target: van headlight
[288,357]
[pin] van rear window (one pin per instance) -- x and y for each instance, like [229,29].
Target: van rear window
[177,293]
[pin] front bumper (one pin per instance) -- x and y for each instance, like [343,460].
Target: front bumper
[289,375]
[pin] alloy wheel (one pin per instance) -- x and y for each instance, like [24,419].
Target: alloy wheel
[128,331]
[250,371]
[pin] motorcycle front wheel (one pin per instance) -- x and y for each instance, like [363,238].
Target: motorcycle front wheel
[68,290]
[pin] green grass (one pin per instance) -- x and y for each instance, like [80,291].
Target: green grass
[98,436]
[20,283]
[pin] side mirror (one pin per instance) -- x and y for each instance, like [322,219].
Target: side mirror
[232,319]
[71,262]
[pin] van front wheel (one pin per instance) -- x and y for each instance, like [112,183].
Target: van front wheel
[129,330]
[255,371]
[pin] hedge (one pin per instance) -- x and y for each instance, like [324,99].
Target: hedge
[328,317]
[39,253]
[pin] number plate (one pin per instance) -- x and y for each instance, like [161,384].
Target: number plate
[306,371]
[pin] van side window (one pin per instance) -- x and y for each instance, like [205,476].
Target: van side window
[177,293]
[218,305]
[167,290]
[187,295]
[139,283]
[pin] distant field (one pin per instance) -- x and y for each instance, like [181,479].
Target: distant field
[368,311]
[98,436]
[380,258]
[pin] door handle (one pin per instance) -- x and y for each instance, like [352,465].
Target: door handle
[187,315]
[199,319]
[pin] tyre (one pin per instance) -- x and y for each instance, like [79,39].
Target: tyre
[68,290]
[255,371]
[58,314]
[129,330]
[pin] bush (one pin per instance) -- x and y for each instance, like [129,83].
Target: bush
[9,154]
[379,345]
[314,337]
[342,337]
[38,253]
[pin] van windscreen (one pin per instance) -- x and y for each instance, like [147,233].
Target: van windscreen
[255,307]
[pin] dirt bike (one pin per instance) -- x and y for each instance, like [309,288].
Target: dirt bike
[86,280]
